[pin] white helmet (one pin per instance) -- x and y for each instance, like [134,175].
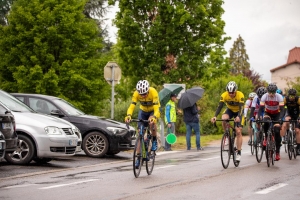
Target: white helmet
[231,86]
[252,95]
[142,86]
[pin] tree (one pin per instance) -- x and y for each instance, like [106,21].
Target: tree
[4,9]
[238,57]
[168,41]
[49,47]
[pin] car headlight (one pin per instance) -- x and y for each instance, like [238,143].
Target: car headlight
[51,130]
[117,131]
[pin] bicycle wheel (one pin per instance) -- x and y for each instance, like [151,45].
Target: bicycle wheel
[290,144]
[273,150]
[150,162]
[285,144]
[225,150]
[269,151]
[259,146]
[295,145]
[137,155]
[234,152]
[252,141]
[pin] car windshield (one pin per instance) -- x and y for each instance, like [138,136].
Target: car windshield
[68,108]
[13,103]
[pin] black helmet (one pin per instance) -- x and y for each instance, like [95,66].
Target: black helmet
[261,91]
[292,91]
[272,87]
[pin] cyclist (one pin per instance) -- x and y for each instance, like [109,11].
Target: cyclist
[246,108]
[149,109]
[255,104]
[273,105]
[234,101]
[292,103]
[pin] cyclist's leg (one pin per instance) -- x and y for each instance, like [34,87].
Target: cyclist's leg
[284,128]
[277,136]
[250,132]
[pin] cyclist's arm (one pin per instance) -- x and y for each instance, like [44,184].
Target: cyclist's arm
[261,109]
[133,104]
[252,112]
[221,104]
[241,109]
[156,105]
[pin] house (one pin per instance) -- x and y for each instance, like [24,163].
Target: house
[288,72]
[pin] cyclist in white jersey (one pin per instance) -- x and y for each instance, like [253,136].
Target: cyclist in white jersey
[273,105]
[246,108]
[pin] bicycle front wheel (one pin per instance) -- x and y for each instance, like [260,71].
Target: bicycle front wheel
[137,157]
[259,146]
[290,144]
[252,140]
[150,162]
[269,153]
[225,150]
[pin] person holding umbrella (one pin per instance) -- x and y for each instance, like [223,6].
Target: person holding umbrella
[170,118]
[234,101]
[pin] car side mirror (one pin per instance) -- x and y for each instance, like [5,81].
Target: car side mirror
[56,112]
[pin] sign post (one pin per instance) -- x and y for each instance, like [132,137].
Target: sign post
[112,74]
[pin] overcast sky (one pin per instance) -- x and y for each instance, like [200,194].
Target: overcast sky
[270,28]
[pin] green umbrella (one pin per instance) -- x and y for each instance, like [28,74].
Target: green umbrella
[164,94]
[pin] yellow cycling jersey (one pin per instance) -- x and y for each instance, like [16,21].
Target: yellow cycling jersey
[233,103]
[147,104]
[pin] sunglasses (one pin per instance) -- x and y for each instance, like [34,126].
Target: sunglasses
[144,94]
[231,92]
[271,92]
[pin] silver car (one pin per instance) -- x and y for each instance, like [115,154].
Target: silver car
[2,146]
[41,137]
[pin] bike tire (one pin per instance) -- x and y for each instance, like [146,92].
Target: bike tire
[286,145]
[295,146]
[268,151]
[259,146]
[150,162]
[137,156]
[290,144]
[225,150]
[234,152]
[252,141]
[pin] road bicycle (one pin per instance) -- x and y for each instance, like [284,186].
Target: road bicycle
[228,146]
[252,137]
[258,141]
[142,150]
[291,140]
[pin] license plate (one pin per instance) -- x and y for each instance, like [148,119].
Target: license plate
[6,125]
[73,142]
[132,142]
[78,148]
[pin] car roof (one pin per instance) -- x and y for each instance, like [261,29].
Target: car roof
[35,95]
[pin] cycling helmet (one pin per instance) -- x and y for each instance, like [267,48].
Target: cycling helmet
[279,91]
[292,91]
[231,86]
[272,87]
[142,86]
[261,91]
[252,95]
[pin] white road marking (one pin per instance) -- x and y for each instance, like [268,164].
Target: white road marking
[270,189]
[211,158]
[166,152]
[18,186]
[63,185]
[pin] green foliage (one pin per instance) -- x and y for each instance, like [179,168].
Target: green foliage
[49,47]
[238,57]
[171,40]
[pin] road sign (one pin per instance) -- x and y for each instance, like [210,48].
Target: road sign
[112,72]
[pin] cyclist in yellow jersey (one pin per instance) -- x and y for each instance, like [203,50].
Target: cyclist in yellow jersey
[149,108]
[234,101]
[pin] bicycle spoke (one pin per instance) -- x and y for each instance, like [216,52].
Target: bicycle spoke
[225,150]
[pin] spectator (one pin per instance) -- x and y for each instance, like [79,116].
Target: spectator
[192,122]
[170,118]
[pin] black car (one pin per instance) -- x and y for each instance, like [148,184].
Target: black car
[100,136]
[7,131]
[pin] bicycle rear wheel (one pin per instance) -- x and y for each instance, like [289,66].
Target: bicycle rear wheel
[295,145]
[137,155]
[225,150]
[290,144]
[259,146]
[252,141]
[285,143]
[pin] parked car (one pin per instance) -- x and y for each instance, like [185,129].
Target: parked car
[100,136]
[2,146]
[8,129]
[40,137]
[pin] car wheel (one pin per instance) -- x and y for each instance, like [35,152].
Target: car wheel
[112,152]
[24,152]
[95,144]
[42,160]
